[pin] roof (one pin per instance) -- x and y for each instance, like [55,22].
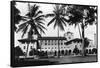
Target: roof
[73,40]
[69,32]
[26,40]
[51,38]
[77,40]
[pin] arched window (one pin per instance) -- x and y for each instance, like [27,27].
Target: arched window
[55,42]
[90,52]
[61,42]
[48,42]
[51,42]
[31,47]
[48,47]
[45,48]
[24,47]
[45,42]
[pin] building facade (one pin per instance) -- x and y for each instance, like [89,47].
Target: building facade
[50,44]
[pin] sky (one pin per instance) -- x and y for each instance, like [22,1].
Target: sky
[48,8]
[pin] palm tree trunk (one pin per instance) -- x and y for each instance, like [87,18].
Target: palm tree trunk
[58,44]
[40,41]
[79,31]
[27,50]
[83,54]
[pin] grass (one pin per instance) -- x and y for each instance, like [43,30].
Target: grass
[53,61]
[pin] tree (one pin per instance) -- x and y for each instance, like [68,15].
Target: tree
[83,15]
[34,22]
[58,19]
[76,50]
[18,51]
[33,52]
[16,17]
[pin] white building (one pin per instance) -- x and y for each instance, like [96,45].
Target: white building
[50,44]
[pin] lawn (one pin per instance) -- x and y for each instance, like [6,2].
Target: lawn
[53,61]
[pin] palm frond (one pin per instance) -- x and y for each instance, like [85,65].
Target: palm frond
[41,30]
[41,17]
[55,24]
[49,15]
[63,21]
[51,21]
[40,22]
[24,31]
[41,26]
[60,25]
[32,11]
[21,26]
[39,12]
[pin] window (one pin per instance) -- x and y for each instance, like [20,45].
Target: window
[69,37]
[45,48]
[55,42]
[31,47]
[48,42]
[45,42]
[24,47]
[48,47]
[61,42]
[51,42]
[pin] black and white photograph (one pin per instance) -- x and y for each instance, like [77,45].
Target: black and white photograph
[44,33]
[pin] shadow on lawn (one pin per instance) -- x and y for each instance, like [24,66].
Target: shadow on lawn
[26,62]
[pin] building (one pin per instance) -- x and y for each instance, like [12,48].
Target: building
[95,40]
[50,44]
[69,36]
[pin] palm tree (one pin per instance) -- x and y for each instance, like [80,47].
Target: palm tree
[82,15]
[34,22]
[15,14]
[58,19]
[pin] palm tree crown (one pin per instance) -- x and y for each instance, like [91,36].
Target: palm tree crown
[83,15]
[15,15]
[80,12]
[58,17]
[34,19]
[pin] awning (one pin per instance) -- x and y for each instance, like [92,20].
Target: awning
[27,40]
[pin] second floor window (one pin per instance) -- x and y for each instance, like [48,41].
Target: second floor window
[48,42]
[31,47]
[24,47]
[51,42]
[61,42]
[45,42]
